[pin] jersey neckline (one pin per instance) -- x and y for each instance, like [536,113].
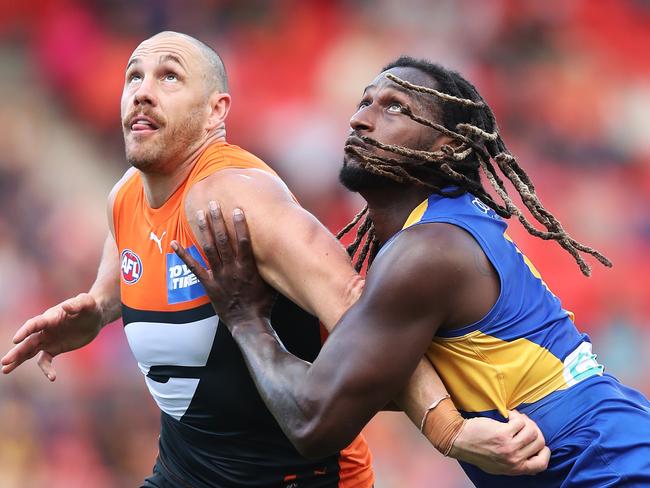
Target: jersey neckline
[158,216]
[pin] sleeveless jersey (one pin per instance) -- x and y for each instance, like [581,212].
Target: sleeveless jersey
[215,428]
[527,345]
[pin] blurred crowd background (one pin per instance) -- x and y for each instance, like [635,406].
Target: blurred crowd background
[568,80]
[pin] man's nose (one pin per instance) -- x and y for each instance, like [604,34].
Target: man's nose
[362,120]
[145,94]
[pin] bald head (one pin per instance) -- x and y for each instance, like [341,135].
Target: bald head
[174,101]
[214,70]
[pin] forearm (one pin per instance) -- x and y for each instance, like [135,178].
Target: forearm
[106,288]
[425,389]
[279,377]
[108,302]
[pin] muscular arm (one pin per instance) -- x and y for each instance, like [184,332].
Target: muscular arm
[301,259]
[284,230]
[106,288]
[295,253]
[367,359]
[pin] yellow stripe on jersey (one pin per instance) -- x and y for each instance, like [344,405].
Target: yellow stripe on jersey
[528,262]
[482,372]
[536,273]
[417,213]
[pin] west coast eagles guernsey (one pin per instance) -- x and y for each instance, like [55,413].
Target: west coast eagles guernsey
[527,354]
[527,345]
[216,430]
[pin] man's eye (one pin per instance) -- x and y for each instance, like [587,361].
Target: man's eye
[171,77]
[134,77]
[395,107]
[364,103]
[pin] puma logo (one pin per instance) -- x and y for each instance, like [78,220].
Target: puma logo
[154,237]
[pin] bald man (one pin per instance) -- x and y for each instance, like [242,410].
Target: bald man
[215,428]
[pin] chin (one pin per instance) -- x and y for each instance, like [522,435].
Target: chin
[141,160]
[141,164]
[357,179]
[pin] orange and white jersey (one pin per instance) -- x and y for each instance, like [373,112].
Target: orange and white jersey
[216,430]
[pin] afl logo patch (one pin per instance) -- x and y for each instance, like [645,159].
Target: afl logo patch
[131,266]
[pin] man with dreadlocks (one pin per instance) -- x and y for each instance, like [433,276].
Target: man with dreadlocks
[215,429]
[446,281]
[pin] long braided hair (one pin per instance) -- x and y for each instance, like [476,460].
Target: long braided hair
[478,147]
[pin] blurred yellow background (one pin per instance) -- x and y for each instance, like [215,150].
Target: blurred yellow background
[568,80]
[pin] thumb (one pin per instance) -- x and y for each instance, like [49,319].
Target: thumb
[516,422]
[75,305]
[45,363]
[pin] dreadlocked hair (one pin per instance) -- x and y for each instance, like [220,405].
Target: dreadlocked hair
[478,148]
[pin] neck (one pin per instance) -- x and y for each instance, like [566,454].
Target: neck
[160,185]
[389,208]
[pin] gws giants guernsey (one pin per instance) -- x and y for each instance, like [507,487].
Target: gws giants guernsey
[216,430]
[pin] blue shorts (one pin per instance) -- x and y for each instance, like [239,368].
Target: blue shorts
[599,435]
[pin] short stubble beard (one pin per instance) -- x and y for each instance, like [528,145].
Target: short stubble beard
[172,146]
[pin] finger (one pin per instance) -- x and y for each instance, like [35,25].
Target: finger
[45,363]
[244,247]
[221,238]
[529,440]
[53,316]
[34,325]
[21,353]
[22,349]
[516,422]
[75,305]
[198,270]
[538,462]
[206,240]
[8,368]
[528,434]
[533,447]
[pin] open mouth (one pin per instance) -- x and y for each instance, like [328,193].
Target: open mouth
[142,124]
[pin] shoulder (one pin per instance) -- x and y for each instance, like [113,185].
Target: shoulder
[247,188]
[126,177]
[112,196]
[426,266]
[427,247]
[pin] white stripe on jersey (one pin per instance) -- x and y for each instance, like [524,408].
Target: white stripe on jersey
[173,397]
[164,344]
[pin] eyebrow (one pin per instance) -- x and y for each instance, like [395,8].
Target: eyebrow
[132,61]
[162,59]
[173,59]
[393,86]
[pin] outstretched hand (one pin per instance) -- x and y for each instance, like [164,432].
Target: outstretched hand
[237,291]
[65,327]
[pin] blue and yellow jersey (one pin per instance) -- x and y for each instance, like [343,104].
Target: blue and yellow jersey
[527,346]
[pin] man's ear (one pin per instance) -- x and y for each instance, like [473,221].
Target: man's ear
[219,107]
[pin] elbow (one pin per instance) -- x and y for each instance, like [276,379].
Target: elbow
[313,447]
[318,440]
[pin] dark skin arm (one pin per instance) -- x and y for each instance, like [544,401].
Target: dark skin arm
[368,358]
[300,259]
